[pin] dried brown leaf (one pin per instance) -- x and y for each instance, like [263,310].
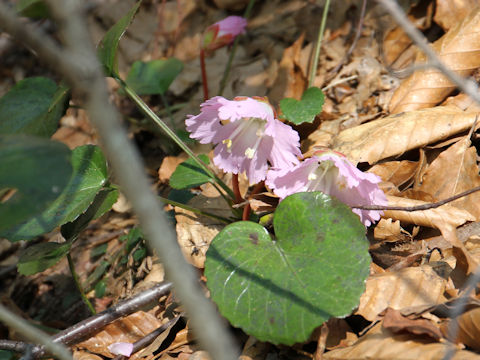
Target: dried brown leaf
[396,134]
[468,328]
[396,172]
[459,50]
[129,329]
[408,287]
[454,171]
[447,12]
[397,323]
[195,232]
[434,218]
[382,344]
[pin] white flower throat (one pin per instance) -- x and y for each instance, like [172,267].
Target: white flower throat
[247,135]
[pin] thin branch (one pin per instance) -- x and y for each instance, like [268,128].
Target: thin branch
[419,207]
[93,324]
[79,64]
[467,86]
[33,334]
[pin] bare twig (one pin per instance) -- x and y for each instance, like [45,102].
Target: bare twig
[358,33]
[33,334]
[78,63]
[419,207]
[93,324]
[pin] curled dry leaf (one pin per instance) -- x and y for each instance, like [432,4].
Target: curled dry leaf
[468,328]
[454,171]
[381,344]
[459,50]
[434,218]
[396,134]
[394,321]
[408,287]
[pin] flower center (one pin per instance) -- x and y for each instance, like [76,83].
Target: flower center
[247,135]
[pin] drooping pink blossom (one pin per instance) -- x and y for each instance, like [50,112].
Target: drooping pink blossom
[223,32]
[332,174]
[247,136]
[121,348]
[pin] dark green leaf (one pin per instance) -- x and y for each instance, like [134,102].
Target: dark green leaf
[305,110]
[6,355]
[36,9]
[107,49]
[153,77]
[100,289]
[40,257]
[280,290]
[99,250]
[188,174]
[33,106]
[134,236]
[38,169]
[139,254]
[88,178]
[101,204]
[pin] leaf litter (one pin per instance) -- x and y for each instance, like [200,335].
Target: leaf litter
[419,146]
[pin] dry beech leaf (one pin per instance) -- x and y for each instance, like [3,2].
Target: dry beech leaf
[195,232]
[381,344]
[448,12]
[468,328]
[396,134]
[434,218]
[408,287]
[254,350]
[459,50]
[129,329]
[396,172]
[454,171]
[395,43]
[290,81]
[394,321]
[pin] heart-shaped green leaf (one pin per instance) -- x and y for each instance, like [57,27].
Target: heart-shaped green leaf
[280,290]
[33,106]
[188,174]
[107,49]
[40,257]
[305,110]
[37,169]
[88,178]
[153,77]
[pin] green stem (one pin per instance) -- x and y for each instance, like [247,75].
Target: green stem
[195,210]
[149,113]
[79,286]
[223,82]
[318,45]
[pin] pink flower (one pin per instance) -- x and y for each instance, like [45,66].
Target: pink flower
[121,348]
[332,174]
[247,136]
[223,32]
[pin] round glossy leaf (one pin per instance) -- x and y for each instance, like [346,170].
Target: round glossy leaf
[37,169]
[280,290]
[88,178]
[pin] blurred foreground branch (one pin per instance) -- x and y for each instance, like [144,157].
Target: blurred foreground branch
[78,63]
